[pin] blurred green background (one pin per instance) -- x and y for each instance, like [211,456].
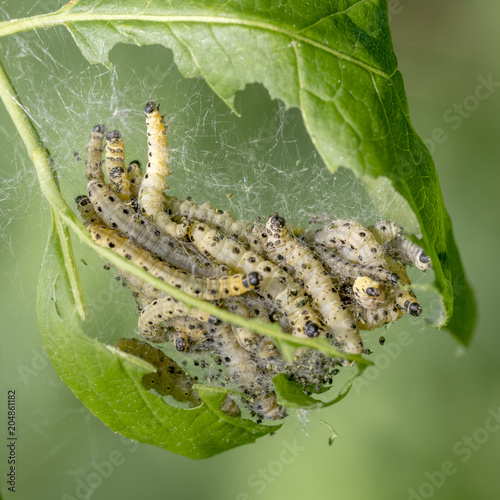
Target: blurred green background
[429,402]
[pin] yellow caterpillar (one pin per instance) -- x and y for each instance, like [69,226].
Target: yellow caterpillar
[119,181]
[283,247]
[151,200]
[134,172]
[219,219]
[369,319]
[200,287]
[276,284]
[353,241]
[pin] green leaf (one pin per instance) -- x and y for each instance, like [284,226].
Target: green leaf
[332,59]
[291,394]
[108,382]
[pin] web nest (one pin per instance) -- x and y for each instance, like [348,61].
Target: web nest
[330,281]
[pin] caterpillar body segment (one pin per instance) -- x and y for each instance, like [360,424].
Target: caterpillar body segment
[188,334]
[385,231]
[250,378]
[258,240]
[94,153]
[86,209]
[134,172]
[264,350]
[200,287]
[404,297]
[344,270]
[407,302]
[368,293]
[353,241]
[409,253]
[151,200]
[119,181]
[164,309]
[122,217]
[206,213]
[276,284]
[169,379]
[391,236]
[369,319]
[282,246]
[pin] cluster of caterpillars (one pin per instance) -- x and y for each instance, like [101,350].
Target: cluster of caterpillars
[330,283]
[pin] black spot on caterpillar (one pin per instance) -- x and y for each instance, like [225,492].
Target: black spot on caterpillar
[151,200]
[276,285]
[282,246]
[200,287]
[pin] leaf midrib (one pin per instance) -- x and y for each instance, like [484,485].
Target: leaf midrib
[61,18]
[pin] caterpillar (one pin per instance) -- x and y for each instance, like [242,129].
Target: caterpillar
[119,181]
[94,153]
[163,309]
[200,287]
[276,284]
[368,293]
[206,213]
[353,241]
[369,319]
[262,347]
[395,244]
[134,172]
[151,200]
[284,247]
[86,209]
[120,216]
[252,380]
[169,379]
[343,269]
